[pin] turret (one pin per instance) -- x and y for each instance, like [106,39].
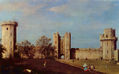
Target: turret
[108,43]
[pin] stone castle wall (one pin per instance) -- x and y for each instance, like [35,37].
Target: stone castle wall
[116,55]
[86,53]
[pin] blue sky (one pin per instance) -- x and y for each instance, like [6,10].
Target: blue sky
[85,19]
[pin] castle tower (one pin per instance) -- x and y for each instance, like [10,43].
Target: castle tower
[108,43]
[67,45]
[56,43]
[9,38]
[62,47]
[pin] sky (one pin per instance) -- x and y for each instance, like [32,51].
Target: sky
[85,19]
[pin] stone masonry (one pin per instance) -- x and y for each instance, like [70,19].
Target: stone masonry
[107,50]
[56,43]
[63,50]
[108,43]
[62,45]
[9,38]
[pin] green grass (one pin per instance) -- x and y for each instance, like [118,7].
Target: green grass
[100,65]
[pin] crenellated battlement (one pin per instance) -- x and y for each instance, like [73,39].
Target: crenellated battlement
[9,23]
[104,37]
[109,34]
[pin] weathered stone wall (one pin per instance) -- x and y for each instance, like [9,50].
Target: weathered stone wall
[86,53]
[62,45]
[67,45]
[116,55]
[9,38]
[108,43]
[107,48]
[56,43]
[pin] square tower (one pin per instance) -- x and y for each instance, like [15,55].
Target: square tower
[108,43]
[9,38]
[62,45]
[56,43]
[67,45]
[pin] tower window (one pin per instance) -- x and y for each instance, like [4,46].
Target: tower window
[6,28]
[106,36]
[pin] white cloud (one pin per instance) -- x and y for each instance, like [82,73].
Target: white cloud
[81,7]
[58,9]
[22,6]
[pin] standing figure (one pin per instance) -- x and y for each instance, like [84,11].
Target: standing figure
[85,68]
[44,64]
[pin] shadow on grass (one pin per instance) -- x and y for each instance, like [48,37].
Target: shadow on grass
[36,66]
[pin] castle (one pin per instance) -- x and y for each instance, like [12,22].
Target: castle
[107,50]
[63,50]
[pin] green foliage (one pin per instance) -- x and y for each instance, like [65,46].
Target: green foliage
[45,47]
[43,41]
[2,49]
[26,48]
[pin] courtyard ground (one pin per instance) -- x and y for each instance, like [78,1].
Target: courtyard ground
[108,67]
[37,67]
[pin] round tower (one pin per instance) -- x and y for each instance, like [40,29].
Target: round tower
[9,38]
[108,43]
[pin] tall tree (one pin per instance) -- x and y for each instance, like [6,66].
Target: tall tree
[26,48]
[45,46]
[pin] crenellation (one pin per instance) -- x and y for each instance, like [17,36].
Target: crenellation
[13,23]
[109,32]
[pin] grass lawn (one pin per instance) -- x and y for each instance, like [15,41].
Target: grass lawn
[100,65]
[19,66]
